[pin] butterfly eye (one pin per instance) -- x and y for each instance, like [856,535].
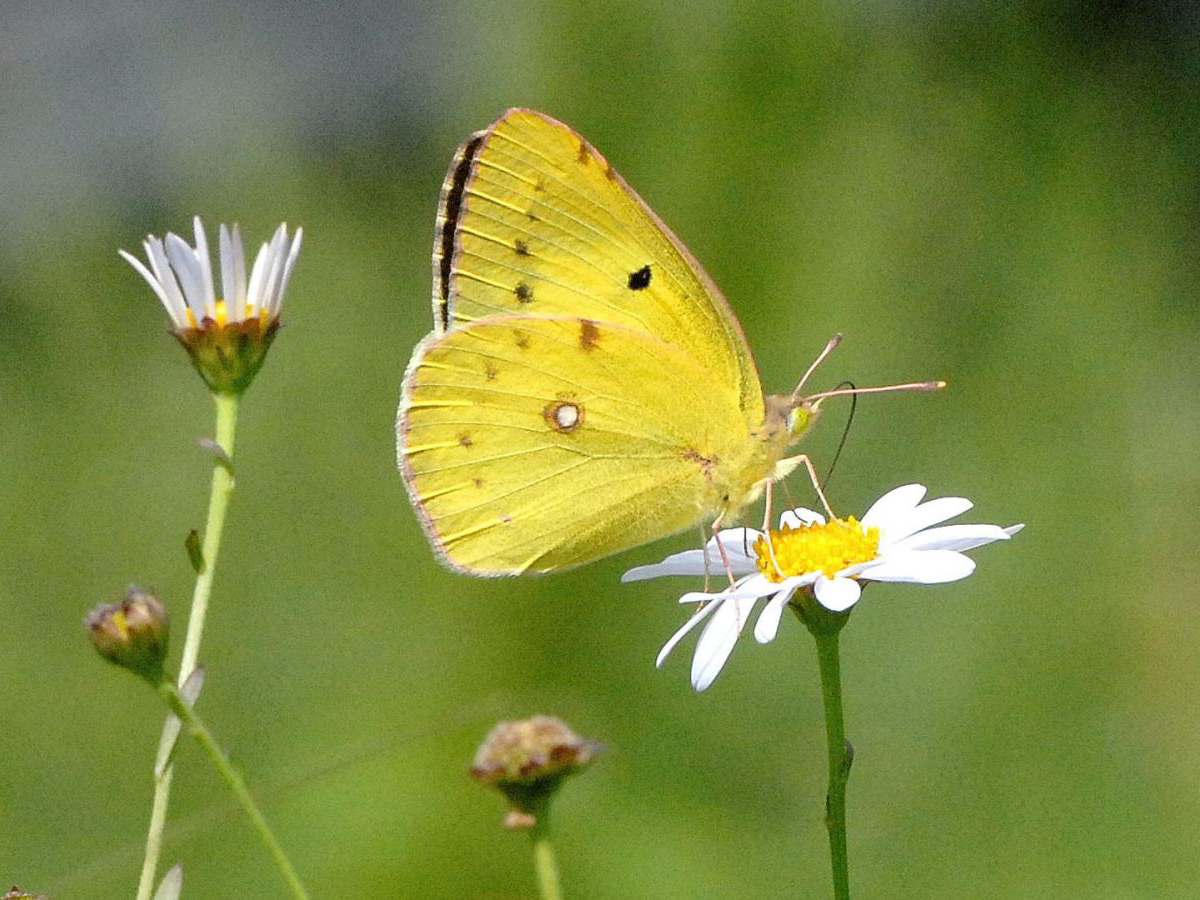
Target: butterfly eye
[798,421]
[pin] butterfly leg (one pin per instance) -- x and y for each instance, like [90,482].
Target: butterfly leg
[803,460]
[704,550]
[768,496]
[716,529]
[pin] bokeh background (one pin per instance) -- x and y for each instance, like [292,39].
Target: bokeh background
[1005,196]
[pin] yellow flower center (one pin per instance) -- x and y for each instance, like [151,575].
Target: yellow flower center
[222,314]
[816,548]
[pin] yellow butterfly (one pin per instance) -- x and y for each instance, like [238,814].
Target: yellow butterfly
[586,387]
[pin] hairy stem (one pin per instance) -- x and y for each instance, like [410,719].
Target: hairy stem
[234,780]
[218,503]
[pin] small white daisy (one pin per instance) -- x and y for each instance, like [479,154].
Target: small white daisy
[182,276]
[227,337]
[895,541]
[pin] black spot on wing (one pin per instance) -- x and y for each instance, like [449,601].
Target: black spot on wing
[521,248]
[524,292]
[640,279]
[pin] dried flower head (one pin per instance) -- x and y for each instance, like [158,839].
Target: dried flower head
[527,760]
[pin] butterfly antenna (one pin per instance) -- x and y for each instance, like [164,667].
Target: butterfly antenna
[829,348]
[815,400]
[845,434]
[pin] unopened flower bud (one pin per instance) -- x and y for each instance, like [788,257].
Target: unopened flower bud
[527,760]
[132,633]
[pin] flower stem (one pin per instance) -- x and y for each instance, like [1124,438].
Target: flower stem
[841,755]
[226,770]
[543,857]
[218,503]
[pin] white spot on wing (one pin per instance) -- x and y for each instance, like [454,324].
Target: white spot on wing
[567,415]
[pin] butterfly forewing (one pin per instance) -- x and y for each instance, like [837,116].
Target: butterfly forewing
[534,221]
[536,444]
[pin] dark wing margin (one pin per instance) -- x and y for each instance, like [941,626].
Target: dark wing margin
[449,212]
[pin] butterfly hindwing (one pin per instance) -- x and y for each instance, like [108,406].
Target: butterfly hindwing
[535,444]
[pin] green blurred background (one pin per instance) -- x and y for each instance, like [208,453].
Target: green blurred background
[1006,197]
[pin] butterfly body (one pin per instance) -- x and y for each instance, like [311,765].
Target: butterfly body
[586,387]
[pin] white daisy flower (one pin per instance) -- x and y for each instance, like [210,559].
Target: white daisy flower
[895,541]
[182,276]
[227,337]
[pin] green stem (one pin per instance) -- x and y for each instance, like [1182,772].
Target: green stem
[543,858]
[226,770]
[218,503]
[841,754]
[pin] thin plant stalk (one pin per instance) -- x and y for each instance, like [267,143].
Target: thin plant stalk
[236,784]
[840,757]
[544,862]
[218,504]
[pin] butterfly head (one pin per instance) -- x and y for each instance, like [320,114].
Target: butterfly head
[800,418]
[788,419]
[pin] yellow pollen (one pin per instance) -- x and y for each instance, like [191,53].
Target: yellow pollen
[817,548]
[222,318]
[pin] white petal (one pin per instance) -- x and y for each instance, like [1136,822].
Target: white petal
[254,293]
[228,290]
[274,277]
[152,281]
[287,268]
[794,518]
[752,587]
[739,547]
[679,635]
[745,607]
[951,537]
[716,643]
[736,541]
[1013,529]
[183,262]
[898,501]
[767,625]
[157,255]
[204,262]
[239,273]
[925,515]
[837,594]
[689,562]
[858,568]
[922,567]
